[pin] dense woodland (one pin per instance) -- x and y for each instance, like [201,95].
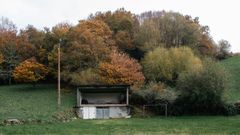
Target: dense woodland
[164,56]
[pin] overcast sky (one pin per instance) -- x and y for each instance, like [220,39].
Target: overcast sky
[221,15]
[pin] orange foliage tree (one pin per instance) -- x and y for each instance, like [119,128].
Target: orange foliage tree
[121,69]
[29,71]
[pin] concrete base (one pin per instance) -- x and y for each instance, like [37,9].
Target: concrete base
[92,112]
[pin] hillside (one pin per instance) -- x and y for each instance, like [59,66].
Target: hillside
[26,102]
[232,65]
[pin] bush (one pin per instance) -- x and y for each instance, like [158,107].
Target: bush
[153,93]
[166,64]
[230,110]
[88,76]
[202,91]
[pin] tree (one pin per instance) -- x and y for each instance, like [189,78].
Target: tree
[8,48]
[1,58]
[86,45]
[123,24]
[165,65]
[30,71]
[148,36]
[121,69]
[90,42]
[172,29]
[202,91]
[82,77]
[41,40]
[223,49]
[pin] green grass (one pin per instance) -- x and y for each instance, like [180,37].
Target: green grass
[232,65]
[214,125]
[24,101]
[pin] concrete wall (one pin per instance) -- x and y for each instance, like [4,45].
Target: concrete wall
[119,112]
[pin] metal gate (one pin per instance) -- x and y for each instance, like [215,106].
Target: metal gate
[102,113]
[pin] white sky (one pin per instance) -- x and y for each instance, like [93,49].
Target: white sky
[221,15]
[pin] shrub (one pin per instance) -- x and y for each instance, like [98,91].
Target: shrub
[88,76]
[166,64]
[202,91]
[230,110]
[153,93]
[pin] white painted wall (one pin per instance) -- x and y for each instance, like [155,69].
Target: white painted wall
[114,112]
[89,112]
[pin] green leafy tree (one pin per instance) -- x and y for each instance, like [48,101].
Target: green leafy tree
[165,65]
[202,91]
[172,29]
[223,49]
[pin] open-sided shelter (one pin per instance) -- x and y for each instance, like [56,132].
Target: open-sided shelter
[103,101]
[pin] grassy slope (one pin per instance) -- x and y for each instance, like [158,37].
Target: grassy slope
[232,65]
[24,101]
[159,125]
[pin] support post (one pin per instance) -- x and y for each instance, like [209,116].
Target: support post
[59,77]
[166,110]
[78,98]
[127,98]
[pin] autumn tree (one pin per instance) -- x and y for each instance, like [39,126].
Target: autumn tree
[40,40]
[123,24]
[1,58]
[8,48]
[165,65]
[121,69]
[87,44]
[29,71]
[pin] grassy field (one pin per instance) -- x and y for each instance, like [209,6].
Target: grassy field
[204,125]
[26,102]
[232,65]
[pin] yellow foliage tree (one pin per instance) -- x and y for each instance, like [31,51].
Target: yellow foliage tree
[165,65]
[29,71]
